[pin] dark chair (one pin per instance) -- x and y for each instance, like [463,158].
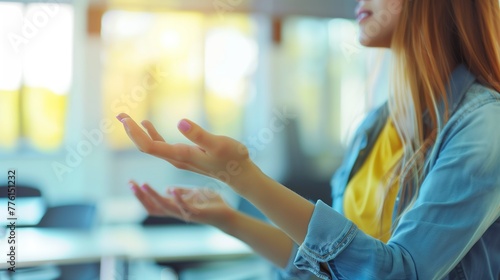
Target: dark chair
[161,221]
[21,191]
[73,216]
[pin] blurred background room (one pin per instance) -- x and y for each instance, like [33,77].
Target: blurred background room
[286,77]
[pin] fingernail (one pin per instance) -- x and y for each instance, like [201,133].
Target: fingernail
[132,187]
[184,126]
[121,116]
[124,123]
[143,187]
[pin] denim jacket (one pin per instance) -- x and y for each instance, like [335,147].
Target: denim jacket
[453,229]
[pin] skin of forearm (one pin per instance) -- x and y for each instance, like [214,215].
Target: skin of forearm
[265,239]
[285,208]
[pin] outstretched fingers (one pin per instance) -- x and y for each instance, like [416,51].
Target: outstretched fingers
[180,155]
[154,203]
[140,138]
[153,133]
[150,205]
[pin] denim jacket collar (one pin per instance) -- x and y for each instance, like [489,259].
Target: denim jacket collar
[460,81]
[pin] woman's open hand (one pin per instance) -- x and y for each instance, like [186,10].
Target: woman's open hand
[216,156]
[188,204]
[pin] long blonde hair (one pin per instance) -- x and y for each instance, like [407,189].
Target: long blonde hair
[433,37]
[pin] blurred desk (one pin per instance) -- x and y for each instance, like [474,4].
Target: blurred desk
[37,246]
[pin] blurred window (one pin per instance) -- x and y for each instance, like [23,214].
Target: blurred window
[329,83]
[164,66]
[35,74]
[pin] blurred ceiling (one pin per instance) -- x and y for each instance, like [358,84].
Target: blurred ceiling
[275,8]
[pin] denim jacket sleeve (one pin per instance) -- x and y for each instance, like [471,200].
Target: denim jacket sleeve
[291,272]
[457,203]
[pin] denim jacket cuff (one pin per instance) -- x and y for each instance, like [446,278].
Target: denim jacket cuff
[291,271]
[328,234]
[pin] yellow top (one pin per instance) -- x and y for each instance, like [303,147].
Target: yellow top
[368,187]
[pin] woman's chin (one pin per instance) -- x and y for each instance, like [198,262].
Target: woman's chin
[372,42]
[367,42]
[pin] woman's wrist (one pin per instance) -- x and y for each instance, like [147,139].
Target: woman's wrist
[228,220]
[248,179]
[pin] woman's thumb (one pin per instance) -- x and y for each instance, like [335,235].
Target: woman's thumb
[196,134]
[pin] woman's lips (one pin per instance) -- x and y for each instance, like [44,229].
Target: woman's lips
[362,15]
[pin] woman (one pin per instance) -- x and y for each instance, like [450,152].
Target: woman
[417,196]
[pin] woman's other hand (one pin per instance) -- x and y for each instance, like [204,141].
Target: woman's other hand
[188,204]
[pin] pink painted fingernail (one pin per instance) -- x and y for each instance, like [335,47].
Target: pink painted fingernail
[184,126]
[121,116]
[132,187]
[125,125]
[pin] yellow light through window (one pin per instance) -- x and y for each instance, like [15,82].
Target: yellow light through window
[231,54]
[165,66]
[35,73]
[10,75]
[47,74]
[153,69]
